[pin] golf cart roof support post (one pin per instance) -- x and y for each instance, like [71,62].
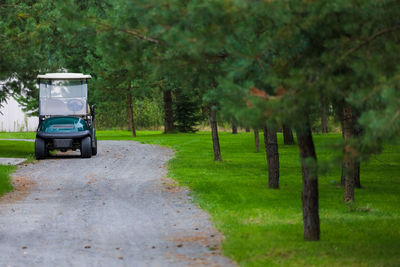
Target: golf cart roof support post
[39,100]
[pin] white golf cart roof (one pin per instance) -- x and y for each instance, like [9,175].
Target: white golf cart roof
[64,76]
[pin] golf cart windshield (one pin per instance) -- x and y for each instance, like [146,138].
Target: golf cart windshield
[63,97]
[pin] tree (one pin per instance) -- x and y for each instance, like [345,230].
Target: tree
[324,115]
[234,128]
[271,86]
[309,195]
[352,78]
[130,109]
[195,64]
[257,140]
[187,110]
[26,48]
[287,135]
[348,155]
[271,149]
[168,111]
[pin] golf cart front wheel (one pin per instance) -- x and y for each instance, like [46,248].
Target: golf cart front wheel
[40,148]
[86,147]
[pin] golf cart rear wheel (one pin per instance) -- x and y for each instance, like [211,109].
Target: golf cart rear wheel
[40,148]
[94,148]
[86,147]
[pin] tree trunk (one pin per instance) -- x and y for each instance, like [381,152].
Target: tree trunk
[343,171]
[247,129]
[343,167]
[234,128]
[357,180]
[348,166]
[287,135]
[168,112]
[356,173]
[324,116]
[310,184]
[271,149]
[257,140]
[214,132]
[130,109]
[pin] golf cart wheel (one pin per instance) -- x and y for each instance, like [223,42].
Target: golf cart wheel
[40,148]
[94,148]
[86,147]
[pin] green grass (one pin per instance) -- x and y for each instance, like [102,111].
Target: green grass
[17,149]
[124,135]
[17,135]
[263,227]
[5,183]
[13,149]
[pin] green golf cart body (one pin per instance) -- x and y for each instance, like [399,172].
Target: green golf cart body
[66,122]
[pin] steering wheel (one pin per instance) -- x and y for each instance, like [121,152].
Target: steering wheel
[75,105]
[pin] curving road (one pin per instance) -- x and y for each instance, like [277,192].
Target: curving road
[115,209]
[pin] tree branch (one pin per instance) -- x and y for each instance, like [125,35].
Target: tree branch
[8,5]
[128,31]
[138,35]
[371,38]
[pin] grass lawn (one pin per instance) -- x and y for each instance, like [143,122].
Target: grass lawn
[12,149]
[5,183]
[263,227]
[17,135]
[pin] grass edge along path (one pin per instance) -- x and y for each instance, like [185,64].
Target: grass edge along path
[12,149]
[263,227]
[5,178]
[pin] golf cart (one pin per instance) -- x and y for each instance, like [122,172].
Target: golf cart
[65,119]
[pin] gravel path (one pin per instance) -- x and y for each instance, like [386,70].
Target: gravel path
[115,209]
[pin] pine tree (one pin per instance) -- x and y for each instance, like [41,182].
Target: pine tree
[187,110]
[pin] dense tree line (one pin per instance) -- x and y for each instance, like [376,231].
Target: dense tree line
[266,65]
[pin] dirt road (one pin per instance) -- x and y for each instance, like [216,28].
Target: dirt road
[115,209]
